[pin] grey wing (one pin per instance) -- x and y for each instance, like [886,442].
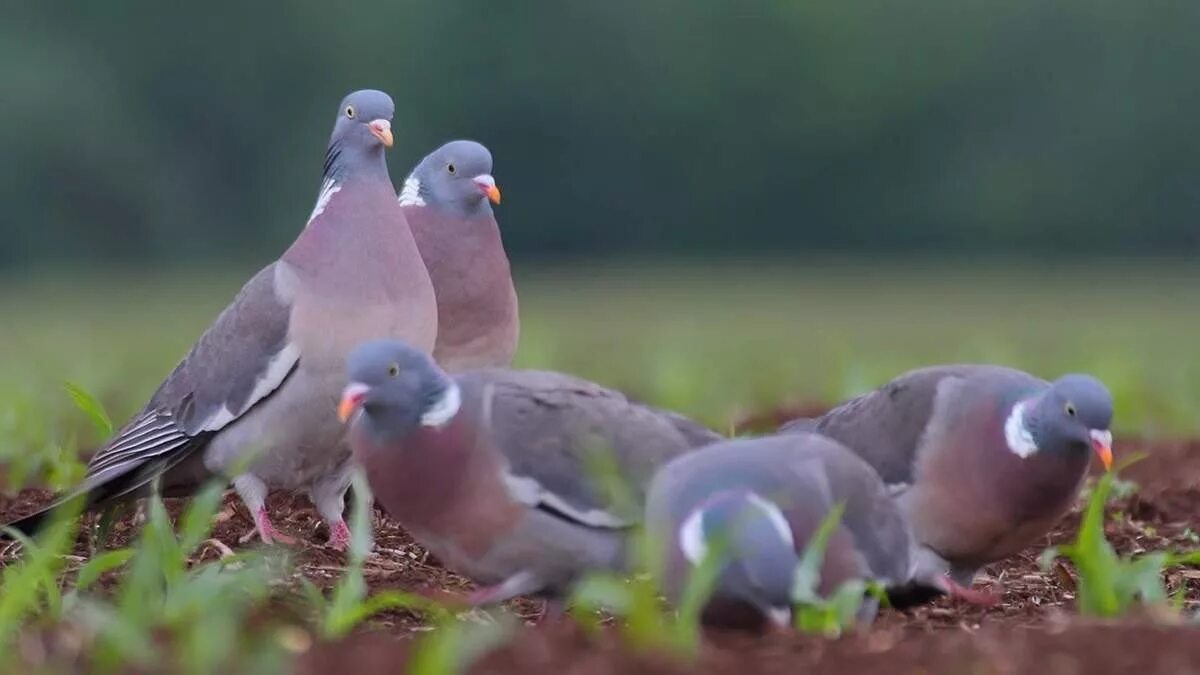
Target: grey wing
[554,431]
[240,360]
[799,425]
[885,426]
[695,434]
[881,533]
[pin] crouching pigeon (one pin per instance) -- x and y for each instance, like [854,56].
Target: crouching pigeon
[498,472]
[984,460]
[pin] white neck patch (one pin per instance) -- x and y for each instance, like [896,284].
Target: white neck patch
[1020,441]
[444,409]
[691,538]
[410,194]
[776,517]
[695,546]
[328,190]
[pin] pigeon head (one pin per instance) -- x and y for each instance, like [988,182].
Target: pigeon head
[362,130]
[1073,415]
[457,177]
[395,389]
[756,541]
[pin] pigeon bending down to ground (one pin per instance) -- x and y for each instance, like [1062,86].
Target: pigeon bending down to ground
[763,499]
[493,470]
[984,460]
[447,200]
[265,377]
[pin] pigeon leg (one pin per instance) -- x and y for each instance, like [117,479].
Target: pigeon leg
[329,496]
[971,595]
[253,493]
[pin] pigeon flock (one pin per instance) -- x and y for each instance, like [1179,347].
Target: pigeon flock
[383,337]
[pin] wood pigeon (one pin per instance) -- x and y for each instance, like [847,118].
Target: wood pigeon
[260,385]
[983,459]
[448,201]
[758,502]
[499,472]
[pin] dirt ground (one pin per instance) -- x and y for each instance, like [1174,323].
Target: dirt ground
[1033,630]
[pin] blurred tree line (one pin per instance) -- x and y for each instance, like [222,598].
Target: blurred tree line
[195,131]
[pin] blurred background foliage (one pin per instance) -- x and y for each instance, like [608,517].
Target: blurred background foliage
[136,130]
[716,206]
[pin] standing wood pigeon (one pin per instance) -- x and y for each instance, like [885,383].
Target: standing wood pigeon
[984,459]
[763,499]
[264,378]
[448,201]
[491,469]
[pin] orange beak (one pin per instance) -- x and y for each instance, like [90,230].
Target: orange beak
[382,130]
[352,399]
[487,185]
[1102,444]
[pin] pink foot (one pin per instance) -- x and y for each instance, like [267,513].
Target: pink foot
[483,596]
[971,595]
[267,532]
[339,536]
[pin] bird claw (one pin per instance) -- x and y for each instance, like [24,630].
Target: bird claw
[483,596]
[971,595]
[265,530]
[339,536]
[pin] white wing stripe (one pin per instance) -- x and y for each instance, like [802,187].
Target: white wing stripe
[157,432]
[276,372]
[139,436]
[531,493]
[141,423]
[98,474]
[139,451]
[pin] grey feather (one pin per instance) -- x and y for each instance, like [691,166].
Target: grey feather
[505,491]
[940,437]
[885,426]
[221,378]
[549,425]
[805,476]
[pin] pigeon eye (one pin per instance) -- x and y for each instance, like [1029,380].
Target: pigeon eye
[1070,409]
[450,168]
[350,111]
[393,370]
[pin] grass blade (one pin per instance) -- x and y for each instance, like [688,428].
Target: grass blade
[90,407]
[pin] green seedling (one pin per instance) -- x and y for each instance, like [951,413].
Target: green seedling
[646,621]
[29,587]
[349,604]
[453,646]
[450,648]
[1110,585]
[202,609]
[833,615]
[90,407]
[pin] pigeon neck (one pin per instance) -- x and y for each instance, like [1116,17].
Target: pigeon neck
[417,192]
[345,162]
[1017,433]
[341,168]
[413,193]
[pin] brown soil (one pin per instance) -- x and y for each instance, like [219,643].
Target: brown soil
[1033,630]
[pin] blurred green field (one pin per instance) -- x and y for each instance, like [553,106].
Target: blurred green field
[713,340]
